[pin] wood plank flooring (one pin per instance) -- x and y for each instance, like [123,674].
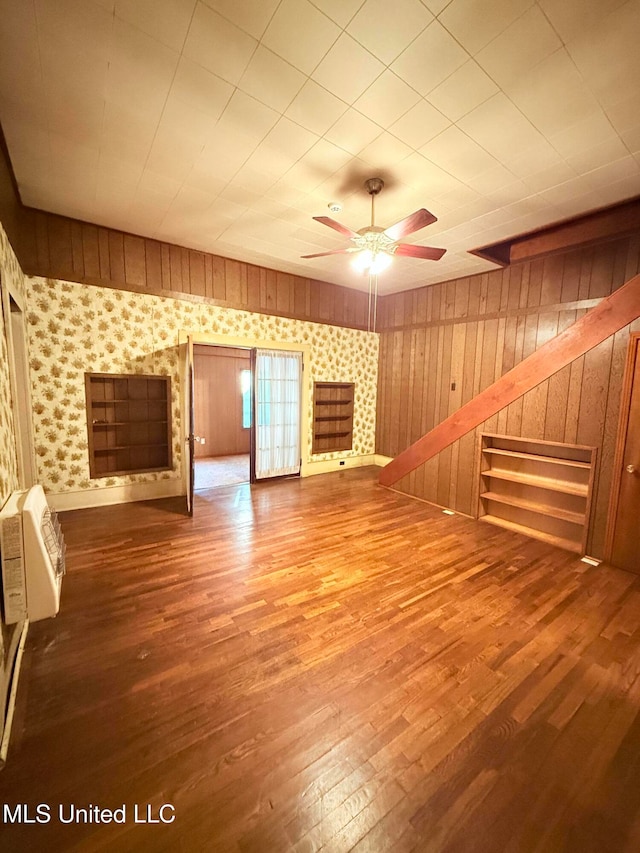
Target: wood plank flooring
[325,665]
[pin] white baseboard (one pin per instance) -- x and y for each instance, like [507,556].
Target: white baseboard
[115,495]
[109,495]
[325,466]
[381,461]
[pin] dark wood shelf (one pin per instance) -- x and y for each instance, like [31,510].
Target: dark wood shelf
[332,434]
[128,447]
[338,396]
[123,423]
[139,441]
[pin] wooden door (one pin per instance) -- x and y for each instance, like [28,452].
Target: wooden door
[252,430]
[190,425]
[219,422]
[625,550]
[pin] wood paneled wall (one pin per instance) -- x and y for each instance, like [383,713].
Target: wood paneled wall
[441,345]
[57,247]
[10,207]
[218,400]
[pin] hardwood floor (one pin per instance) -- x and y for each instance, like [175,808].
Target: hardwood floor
[323,664]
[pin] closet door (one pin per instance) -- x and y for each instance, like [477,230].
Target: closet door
[625,553]
[277,382]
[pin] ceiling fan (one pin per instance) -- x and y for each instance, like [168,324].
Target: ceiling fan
[376,246]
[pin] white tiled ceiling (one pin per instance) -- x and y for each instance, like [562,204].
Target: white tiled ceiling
[226,125]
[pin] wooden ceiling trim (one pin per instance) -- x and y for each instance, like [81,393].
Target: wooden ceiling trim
[597,227]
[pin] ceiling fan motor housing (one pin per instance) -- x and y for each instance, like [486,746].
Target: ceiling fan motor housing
[374,185]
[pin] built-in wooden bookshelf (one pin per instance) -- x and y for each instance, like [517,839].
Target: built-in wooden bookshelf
[332,416]
[539,488]
[128,423]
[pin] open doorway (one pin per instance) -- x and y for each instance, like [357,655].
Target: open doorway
[16,335]
[275,404]
[222,401]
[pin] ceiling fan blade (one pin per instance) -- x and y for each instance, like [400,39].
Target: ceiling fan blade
[327,220]
[411,223]
[332,252]
[411,251]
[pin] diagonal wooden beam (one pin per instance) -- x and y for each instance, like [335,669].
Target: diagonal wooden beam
[612,314]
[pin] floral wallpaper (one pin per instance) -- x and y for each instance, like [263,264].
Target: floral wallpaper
[10,274]
[75,328]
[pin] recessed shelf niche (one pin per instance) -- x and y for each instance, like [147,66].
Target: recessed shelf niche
[332,416]
[128,423]
[539,488]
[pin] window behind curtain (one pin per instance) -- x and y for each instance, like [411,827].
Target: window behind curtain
[278,378]
[245,390]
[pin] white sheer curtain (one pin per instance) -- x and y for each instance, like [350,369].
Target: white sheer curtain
[277,412]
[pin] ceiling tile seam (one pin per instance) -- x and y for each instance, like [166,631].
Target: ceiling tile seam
[496,36]
[335,22]
[284,111]
[588,87]
[408,85]
[239,26]
[545,135]
[180,54]
[506,95]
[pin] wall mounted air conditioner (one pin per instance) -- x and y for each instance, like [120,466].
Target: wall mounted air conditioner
[33,551]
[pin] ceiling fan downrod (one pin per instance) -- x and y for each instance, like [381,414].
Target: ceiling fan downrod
[373,187]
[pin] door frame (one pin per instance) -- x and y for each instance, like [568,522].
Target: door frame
[256,343]
[633,354]
[15,329]
[254,415]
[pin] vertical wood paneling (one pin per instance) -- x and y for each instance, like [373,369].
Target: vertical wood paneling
[608,445]
[185,286]
[91,251]
[116,256]
[196,273]
[60,250]
[59,247]
[253,289]
[271,293]
[165,260]
[135,262]
[103,252]
[77,249]
[175,267]
[284,292]
[43,257]
[475,330]
[219,286]
[233,284]
[153,258]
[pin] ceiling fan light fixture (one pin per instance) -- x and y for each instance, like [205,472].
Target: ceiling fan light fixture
[373,262]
